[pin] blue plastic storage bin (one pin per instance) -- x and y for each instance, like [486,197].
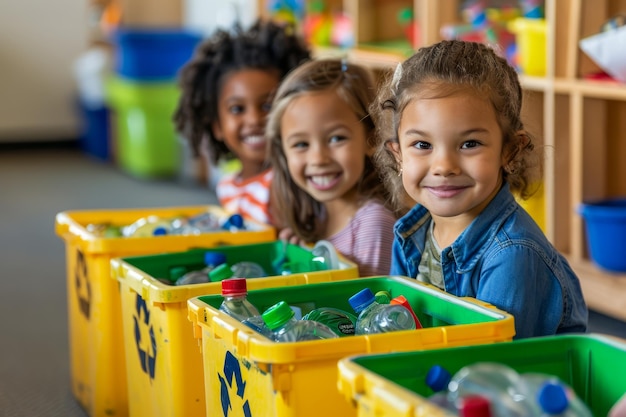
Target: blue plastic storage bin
[95,131]
[153,54]
[605,223]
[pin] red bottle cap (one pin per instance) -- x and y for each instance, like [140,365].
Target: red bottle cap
[475,406]
[234,286]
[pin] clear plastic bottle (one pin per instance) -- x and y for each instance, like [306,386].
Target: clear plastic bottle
[211,261]
[378,318]
[494,381]
[148,226]
[339,321]
[437,379]
[236,304]
[401,300]
[286,328]
[247,269]
[194,225]
[551,396]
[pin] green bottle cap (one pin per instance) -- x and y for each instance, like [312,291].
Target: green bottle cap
[277,315]
[220,273]
[177,272]
[383,297]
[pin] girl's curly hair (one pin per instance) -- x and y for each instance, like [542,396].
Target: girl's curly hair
[265,45]
[443,69]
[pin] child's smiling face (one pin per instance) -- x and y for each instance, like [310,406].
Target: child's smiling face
[325,146]
[450,151]
[243,104]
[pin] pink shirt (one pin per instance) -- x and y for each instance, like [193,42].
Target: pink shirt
[367,240]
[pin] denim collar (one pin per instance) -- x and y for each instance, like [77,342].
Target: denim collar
[468,248]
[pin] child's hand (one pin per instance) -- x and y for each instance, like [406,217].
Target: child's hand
[289,236]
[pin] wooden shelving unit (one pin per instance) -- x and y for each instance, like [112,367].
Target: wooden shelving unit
[582,123]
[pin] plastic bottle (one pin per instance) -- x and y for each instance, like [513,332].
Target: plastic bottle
[233,223]
[495,381]
[378,318]
[247,269]
[401,300]
[475,406]
[148,226]
[194,225]
[324,256]
[437,379]
[280,320]
[339,321]
[551,396]
[211,261]
[236,304]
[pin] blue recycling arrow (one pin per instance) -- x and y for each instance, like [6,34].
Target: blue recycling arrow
[232,368]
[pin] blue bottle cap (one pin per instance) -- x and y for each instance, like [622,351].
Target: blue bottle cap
[159,231]
[235,221]
[438,378]
[552,398]
[361,299]
[214,258]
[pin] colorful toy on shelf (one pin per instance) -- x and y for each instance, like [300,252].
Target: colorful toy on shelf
[317,24]
[342,32]
[532,9]
[288,11]
[409,25]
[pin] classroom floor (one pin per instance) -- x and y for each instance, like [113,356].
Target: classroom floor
[36,183]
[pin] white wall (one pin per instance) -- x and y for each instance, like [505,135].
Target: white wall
[39,40]
[208,15]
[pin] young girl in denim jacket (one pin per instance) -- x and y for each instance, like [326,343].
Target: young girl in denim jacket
[321,146]
[227,89]
[452,140]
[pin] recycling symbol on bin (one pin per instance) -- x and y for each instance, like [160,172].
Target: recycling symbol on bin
[83,286]
[147,349]
[232,370]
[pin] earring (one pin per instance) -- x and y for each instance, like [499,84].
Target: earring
[400,172]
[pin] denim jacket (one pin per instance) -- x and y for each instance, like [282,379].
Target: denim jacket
[502,258]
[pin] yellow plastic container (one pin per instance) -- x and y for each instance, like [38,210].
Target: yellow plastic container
[247,374]
[163,359]
[97,361]
[536,206]
[530,35]
[394,385]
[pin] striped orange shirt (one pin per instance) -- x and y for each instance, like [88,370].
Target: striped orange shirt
[249,197]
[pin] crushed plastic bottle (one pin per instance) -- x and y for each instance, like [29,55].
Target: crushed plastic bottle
[211,261]
[379,318]
[339,321]
[401,300]
[286,328]
[148,226]
[497,382]
[551,396]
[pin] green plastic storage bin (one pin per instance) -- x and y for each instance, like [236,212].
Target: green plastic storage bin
[247,374]
[145,137]
[394,384]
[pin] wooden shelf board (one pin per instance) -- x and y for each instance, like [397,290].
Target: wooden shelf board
[604,291]
[593,89]
[534,83]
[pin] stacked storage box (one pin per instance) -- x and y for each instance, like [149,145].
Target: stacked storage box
[144,94]
[395,384]
[163,361]
[247,374]
[97,360]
